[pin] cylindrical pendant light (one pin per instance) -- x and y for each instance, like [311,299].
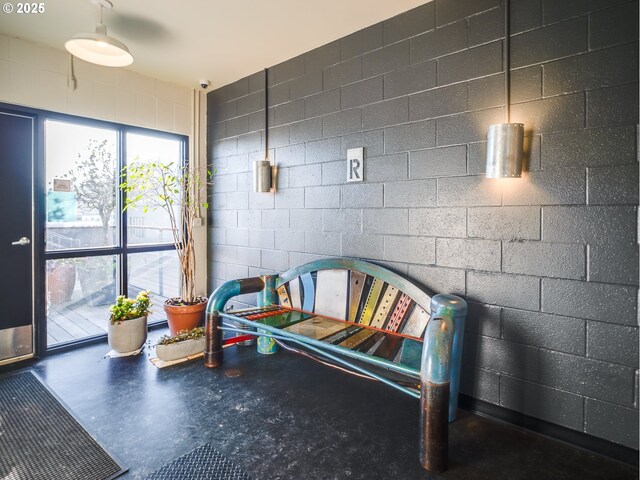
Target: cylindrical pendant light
[505,140]
[504,150]
[262,176]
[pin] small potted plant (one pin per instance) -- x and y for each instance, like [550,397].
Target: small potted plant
[128,322]
[181,345]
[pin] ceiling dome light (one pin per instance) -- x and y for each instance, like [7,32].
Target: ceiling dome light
[98,47]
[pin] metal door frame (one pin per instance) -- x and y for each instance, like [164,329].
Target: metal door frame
[36,230]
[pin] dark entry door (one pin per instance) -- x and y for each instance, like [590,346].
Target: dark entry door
[16,237]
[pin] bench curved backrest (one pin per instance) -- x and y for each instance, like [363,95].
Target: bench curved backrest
[358,292]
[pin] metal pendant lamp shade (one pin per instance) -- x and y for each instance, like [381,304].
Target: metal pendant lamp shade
[504,150]
[262,176]
[99,48]
[505,140]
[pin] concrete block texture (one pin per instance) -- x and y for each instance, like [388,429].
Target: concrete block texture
[548,263]
[614,263]
[589,224]
[612,422]
[411,79]
[408,24]
[438,162]
[617,65]
[610,105]
[590,378]
[448,11]
[472,63]
[439,42]
[471,254]
[386,59]
[591,147]
[504,357]
[507,223]
[393,221]
[613,343]
[562,260]
[438,222]
[595,301]
[438,102]
[518,291]
[480,383]
[468,191]
[612,185]
[549,404]
[549,42]
[438,279]
[363,246]
[420,250]
[485,320]
[414,193]
[614,26]
[553,332]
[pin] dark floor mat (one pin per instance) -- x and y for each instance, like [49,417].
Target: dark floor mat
[202,463]
[41,440]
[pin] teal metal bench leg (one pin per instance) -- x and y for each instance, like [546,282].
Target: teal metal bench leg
[267,297]
[434,393]
[455,306]
[213,356]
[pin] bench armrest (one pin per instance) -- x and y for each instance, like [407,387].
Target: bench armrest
[217,302]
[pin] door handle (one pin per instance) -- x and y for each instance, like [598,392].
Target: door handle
[22,241]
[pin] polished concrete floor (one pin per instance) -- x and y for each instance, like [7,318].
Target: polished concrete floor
[286,417]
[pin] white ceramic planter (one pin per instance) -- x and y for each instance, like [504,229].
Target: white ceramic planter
[177,350]
[128,335]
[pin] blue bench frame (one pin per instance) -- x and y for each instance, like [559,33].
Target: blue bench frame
[439,372]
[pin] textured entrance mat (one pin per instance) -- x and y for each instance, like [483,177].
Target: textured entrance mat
[202,463]
[41,440]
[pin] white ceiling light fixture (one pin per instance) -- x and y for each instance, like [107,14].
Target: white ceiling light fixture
[98,47]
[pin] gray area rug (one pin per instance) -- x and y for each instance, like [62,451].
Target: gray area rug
[41,440]
[202,463]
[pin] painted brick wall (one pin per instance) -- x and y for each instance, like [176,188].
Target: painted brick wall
[549,263]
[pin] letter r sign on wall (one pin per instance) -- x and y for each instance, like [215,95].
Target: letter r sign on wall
[355,164]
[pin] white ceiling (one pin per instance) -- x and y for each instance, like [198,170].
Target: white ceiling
[183,41]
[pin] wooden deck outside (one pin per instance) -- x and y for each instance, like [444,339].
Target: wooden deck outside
[79,318]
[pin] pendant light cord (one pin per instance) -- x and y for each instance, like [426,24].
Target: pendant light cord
[507,63]
[266,113]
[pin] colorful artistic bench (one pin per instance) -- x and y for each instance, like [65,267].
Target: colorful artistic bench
[354,313]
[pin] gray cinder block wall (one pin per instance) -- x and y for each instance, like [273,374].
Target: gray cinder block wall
[549,263]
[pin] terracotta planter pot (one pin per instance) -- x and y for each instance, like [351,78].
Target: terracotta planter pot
[61,280]
[128,335]
[184,317]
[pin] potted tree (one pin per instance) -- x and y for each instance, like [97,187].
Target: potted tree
[176,190]
[128,322]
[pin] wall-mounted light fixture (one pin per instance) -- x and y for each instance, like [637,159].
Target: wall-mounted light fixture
[98,47]
[504,140]
[262,169]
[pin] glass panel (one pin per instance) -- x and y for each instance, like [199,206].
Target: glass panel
[79,293]
[82,180]
[157,272]
[152,226]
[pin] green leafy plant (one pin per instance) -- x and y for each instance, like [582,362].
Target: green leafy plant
[130,308]
[177,190]
[181,336]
